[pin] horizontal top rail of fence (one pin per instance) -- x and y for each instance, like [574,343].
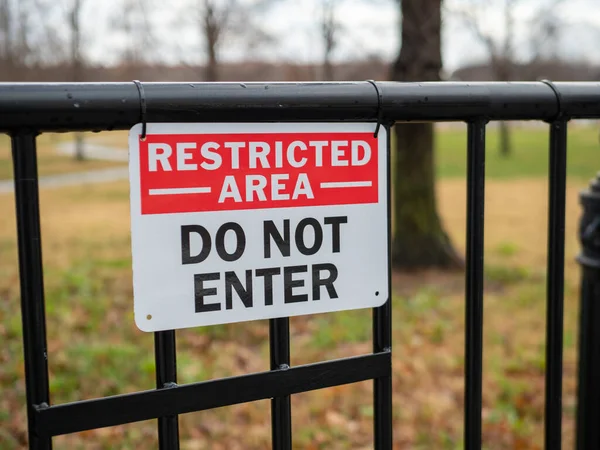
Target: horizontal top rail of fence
[113,106]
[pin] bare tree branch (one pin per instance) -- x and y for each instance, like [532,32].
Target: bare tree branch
[470,16]
[217,21]
[28,36]
[133,19]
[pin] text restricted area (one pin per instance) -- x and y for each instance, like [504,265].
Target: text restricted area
[237,222]
[216,172]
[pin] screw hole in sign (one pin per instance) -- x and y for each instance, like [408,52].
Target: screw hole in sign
[149,317]
[376,293]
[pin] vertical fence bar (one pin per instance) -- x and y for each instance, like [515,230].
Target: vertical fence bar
[474,283]
[281,412]
[166,376]
[31,274]
[382,342]
[382,387]
[588,387]
[555,283]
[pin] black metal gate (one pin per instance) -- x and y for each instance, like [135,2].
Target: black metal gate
[29,109]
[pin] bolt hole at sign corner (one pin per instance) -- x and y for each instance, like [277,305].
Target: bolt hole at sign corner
[149,317]
[376,293]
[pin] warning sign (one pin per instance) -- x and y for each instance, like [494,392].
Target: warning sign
[237,222]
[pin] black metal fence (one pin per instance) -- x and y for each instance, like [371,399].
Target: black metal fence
[29,109]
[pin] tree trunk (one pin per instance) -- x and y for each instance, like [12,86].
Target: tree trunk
[77,64]
[211,72]
[327,70]
[419,238]
[79,152]
[504,139]
[212,29]
[329,33]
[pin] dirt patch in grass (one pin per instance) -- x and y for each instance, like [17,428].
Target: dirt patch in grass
[96,350]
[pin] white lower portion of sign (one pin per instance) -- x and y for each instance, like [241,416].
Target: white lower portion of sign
[180,296]
[206,268]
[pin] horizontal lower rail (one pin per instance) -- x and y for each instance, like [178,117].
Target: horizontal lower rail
[145,405]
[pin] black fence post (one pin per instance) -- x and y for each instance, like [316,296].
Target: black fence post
[588,390]
[31,272]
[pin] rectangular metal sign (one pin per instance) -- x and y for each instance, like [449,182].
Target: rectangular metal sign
[233,222]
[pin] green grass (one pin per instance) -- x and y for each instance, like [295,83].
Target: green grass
[345,326]
[529,156]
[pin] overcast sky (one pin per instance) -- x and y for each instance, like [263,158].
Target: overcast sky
[368,27]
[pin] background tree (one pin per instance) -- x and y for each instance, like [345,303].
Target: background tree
[220,20]
[139,45]
[28,38]
[419,238]
[76,60]
[329,33]
[499,49]
[214,22]
[544,40]
[9,50]
[543,32]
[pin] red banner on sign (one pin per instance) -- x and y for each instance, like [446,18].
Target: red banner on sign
[220,172]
